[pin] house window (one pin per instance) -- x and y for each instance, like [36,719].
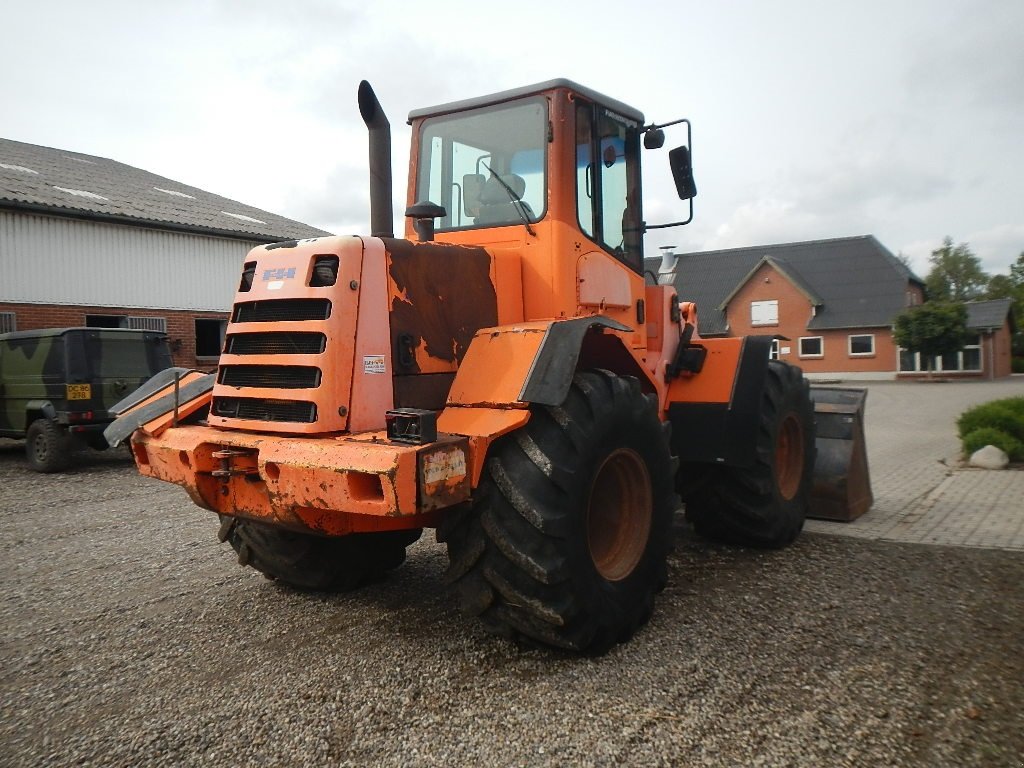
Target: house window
[773,353]
[764,312]
[862,345]
[967,360]
[158,324]
[209,336]
[812,346]
[970,358]
[8,322]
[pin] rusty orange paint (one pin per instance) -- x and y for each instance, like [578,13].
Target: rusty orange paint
[482,426]
[280,480]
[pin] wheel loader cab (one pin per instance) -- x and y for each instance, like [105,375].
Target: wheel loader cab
[550,172]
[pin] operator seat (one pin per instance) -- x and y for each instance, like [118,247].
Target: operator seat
[496,204]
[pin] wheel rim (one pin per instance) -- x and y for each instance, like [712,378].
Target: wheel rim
[619,514]
[39,447]
[789,457]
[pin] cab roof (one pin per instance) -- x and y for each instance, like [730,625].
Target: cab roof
[528,90]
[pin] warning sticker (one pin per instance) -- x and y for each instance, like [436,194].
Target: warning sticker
[373,364]
[444,465]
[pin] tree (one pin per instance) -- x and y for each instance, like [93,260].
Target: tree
[1017,281]
[933,329]
[956,273]
[1017,271]
[1001,287]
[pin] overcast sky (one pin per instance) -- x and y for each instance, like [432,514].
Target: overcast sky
[904,120]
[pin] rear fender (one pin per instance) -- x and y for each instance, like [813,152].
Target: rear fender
[508,368]
[513,366]
[43,407]
[715,414]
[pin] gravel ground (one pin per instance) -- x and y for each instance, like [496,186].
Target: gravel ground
[131,637]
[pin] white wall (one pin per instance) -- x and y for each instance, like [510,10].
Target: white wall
[53,260]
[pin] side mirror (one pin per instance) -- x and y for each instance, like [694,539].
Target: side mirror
[654,138]
[682,172]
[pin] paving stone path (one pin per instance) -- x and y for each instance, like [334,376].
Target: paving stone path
[922,493]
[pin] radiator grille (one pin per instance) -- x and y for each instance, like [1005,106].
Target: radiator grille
[256,409]
[281,310]
[276,343]
[273,376]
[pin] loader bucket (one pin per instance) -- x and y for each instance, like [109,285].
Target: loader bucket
[841,487]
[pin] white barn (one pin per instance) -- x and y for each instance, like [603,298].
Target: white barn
[89,241]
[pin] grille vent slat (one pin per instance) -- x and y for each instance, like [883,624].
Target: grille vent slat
[281,310]
[256,409]
[276,343]
[271,376]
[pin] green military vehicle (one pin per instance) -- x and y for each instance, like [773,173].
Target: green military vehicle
[58,384]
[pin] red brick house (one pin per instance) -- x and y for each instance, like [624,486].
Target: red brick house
[832,304]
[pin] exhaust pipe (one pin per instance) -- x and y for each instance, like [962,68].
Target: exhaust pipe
[381,214]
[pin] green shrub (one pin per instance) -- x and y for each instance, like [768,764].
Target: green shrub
[979,438]
[1017,364]
[1005,415]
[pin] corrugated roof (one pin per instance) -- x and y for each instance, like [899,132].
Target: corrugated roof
[857,281]
[61,182]
[988,314]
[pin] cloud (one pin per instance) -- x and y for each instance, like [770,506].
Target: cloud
[766,220]
[997,247]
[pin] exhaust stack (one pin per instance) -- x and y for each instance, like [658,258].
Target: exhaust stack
[381,214]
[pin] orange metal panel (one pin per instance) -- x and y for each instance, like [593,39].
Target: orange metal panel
[496,365]
[372,387]
[714,384]
[603,282]
[272,282]
[158,424]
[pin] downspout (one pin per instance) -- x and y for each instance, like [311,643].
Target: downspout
[381,215]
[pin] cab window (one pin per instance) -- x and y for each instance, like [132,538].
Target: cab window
[608,181]
[486,167]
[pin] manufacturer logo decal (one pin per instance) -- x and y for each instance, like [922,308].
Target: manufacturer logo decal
[286,273]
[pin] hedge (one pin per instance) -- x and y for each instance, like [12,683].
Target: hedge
[999,423]
[979,438]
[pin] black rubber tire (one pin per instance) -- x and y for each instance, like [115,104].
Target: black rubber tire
[753,506]
[47,446]
[311,562]
[521,553]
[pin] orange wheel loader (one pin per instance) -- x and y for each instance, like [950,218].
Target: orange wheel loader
[504,374]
